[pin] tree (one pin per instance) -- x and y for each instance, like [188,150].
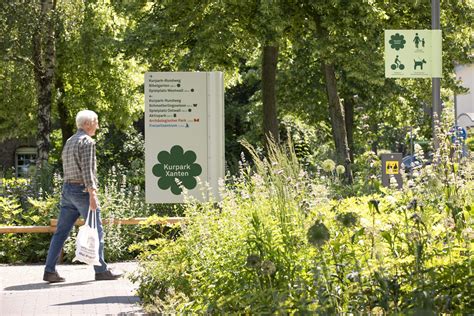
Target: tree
[29,56]
[74,56]
[17,94]
[205,35]
[349,50]
[336,112]
[44,59]
[269,73]
[319,61]
[92,71]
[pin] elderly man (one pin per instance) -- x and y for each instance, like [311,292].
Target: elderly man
[79,194]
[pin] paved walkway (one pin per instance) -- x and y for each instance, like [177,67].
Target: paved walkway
[24,293]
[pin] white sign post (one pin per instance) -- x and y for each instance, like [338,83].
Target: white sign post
[413,54]
[184,135]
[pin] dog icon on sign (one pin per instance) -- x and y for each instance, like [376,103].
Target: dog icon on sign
[419,63]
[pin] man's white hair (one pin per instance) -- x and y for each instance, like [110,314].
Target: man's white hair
[85,116]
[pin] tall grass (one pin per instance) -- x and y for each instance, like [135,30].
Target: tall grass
[277,244]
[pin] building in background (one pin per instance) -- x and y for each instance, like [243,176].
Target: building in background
[17,157]
[465,102]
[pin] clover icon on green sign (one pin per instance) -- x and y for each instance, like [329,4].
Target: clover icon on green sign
[176,166]
[397,41]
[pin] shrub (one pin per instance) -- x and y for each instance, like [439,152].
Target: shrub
[276,244]
[21,204]
[121,199]
[122,150]
[20,207]
[260,219]
[470,143]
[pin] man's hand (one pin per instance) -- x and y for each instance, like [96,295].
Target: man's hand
[93,202]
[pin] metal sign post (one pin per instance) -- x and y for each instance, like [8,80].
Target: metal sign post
[436,80]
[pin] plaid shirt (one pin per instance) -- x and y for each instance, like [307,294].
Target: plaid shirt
[79,161]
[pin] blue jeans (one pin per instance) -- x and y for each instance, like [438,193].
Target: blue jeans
[74,203]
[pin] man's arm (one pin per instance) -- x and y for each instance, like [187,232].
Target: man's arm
[93,201]
[88,160]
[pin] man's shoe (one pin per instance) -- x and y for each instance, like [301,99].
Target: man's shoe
[107,275]
[52,277]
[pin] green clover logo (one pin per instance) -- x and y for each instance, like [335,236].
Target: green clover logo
[177,165]
[397,41]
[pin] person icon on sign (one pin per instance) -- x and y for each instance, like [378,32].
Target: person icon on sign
[417,40]
[397,64]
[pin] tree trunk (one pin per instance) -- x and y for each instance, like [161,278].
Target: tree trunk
[44,64]
[336,112]
[67,129]
[269,70]
[349,120]
[338,125]
[374,127]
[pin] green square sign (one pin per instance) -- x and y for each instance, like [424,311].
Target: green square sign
[413,54]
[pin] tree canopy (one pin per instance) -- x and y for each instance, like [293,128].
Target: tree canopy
[326,64]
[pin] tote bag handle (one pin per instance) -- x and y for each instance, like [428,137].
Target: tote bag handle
[93,217]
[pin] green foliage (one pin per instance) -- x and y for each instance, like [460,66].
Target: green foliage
[310,142]
[23,204]
[17,92]
[241,116]
[20,206]
[121,198]
[92,72]
[367,169]
[470,143]
[104,47]
[276,244]
[17,191]
[121,150]
[262,229]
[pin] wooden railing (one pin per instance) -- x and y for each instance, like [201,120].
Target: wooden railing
[116,221]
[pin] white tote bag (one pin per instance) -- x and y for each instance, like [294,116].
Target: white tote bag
[87,241]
